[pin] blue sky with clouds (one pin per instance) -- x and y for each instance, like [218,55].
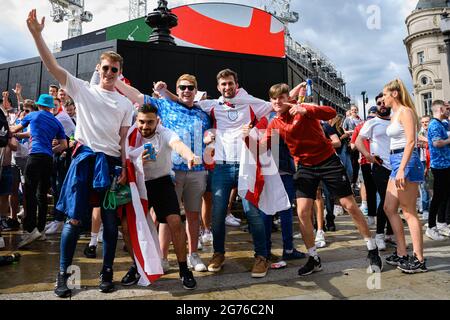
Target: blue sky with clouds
[367,58]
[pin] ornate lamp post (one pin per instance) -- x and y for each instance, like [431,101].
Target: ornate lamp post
[161,20]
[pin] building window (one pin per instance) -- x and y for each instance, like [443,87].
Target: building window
[421,57]
[425,80]
[427,100]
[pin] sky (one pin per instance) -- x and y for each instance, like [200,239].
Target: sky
[363,38]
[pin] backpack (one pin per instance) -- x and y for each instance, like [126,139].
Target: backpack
[4,130]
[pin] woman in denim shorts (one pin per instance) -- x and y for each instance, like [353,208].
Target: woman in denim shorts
[407,174]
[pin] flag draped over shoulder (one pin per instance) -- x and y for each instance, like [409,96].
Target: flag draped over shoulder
[259,179]
[143,234]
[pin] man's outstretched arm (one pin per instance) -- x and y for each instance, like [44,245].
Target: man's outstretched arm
[47,57]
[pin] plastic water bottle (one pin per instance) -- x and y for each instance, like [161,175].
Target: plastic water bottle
[309,84]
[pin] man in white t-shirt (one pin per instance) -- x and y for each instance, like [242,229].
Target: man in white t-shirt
[160,187]
[374,130]
[104,117]
[234,109]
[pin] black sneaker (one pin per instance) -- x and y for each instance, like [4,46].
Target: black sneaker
[106,280]
[90,251]
[188,280]
[131,278]
[413,265]
[61,288]
[331,227]
[313,265]
[395,260]
[375,262]
[294,255]
[12,224]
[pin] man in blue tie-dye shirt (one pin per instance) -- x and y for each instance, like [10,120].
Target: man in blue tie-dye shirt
[190,123]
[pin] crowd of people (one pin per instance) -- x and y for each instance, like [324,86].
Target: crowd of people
[182,155]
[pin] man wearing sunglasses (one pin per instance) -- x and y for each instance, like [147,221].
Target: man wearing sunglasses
[190,123]
[103,119]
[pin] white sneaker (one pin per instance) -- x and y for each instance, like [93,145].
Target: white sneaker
[443,229]
[21,215]
[237,219]
[425,215]
[297,235]
[42,237]
[119,236]
[364,209]
[434,234]
[2,243]
[54,227]
[165,265]
[320,239]
[229,221]
[338,211]
[207,238]
[200,244]
[29,237]
[195,262]
[379,240]
[371,221]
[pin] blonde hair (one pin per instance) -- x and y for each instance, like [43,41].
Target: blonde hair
[337,123]
[403,97]
[113,56]
[188,77]
[278,90]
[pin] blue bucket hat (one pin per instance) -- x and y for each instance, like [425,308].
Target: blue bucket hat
[46,100]
[373,110]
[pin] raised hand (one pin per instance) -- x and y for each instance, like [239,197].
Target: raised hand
[18,89]
[298,110]
[33,24]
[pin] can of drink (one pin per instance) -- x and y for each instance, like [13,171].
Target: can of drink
[150,151]
[278,265]
[117,171]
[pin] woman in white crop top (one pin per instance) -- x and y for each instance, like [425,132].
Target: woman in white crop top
[407,173]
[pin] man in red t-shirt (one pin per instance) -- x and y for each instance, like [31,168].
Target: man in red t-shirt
[299,126]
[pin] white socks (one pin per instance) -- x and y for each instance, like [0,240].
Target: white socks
[93,239]
[313,252]
[371,244]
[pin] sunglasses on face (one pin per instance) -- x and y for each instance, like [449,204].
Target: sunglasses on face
[27,111]
[113,69]
[379,103]
[190,87]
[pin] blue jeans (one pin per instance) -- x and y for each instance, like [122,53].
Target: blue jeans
[346,159]
[71,234]
[285,217]
[225,177]
[424,194]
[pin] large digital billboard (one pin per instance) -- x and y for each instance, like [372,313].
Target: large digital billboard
[229,27]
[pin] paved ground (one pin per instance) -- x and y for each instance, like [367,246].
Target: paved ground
[344,275]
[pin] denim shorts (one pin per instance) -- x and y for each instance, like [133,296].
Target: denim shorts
[414,171]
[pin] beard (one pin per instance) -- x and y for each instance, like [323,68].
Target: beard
[147,133]
[384,112]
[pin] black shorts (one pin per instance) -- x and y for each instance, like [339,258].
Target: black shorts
[331,173]
[162,197]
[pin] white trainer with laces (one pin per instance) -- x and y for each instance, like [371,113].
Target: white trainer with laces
[195,262]
[237,219]
[443,229]
[229,221]
[371,221]
[433,234]
[207,238]
[320,239]
[54,227]
[29,237]
[380,241]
